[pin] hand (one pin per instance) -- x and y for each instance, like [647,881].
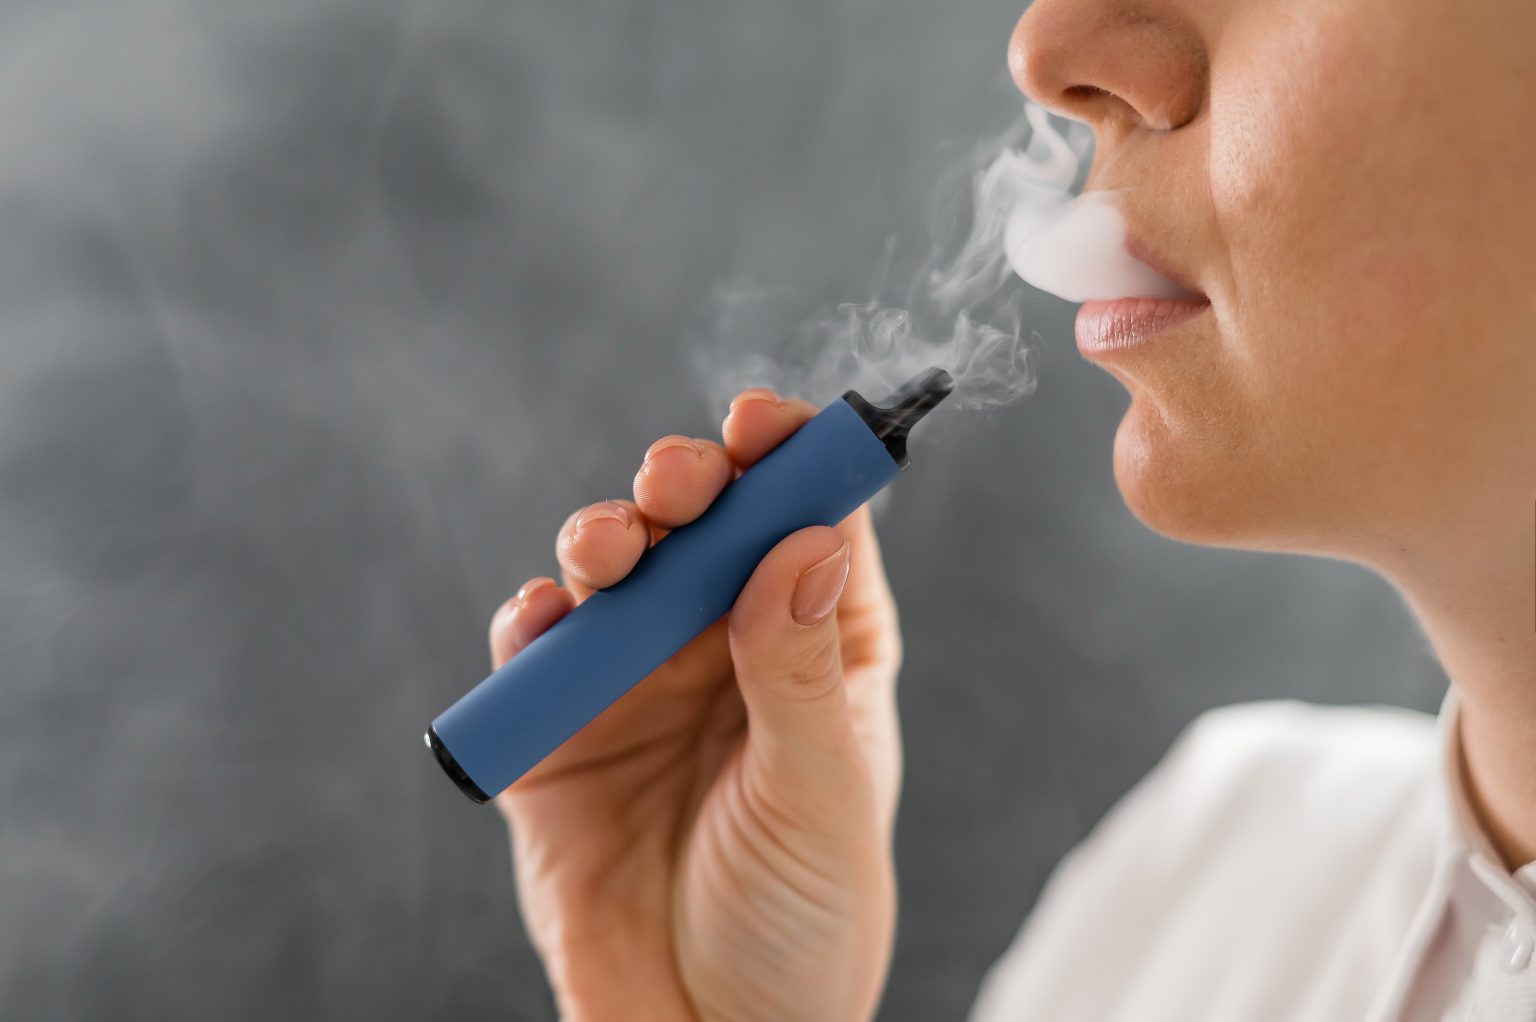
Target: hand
[717,844]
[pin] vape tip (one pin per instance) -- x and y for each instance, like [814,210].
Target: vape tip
[894,418]
[921,393]
[915,399]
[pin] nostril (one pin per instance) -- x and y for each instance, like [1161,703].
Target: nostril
[1116,66]
[1097,106]
[1085,93]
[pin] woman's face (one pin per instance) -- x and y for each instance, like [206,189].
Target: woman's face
[1352,185]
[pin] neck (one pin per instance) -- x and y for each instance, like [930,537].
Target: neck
[1477,604]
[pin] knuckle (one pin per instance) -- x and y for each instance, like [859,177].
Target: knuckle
[813,667]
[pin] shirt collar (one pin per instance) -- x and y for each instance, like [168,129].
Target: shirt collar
[1464,834]
[1463,837]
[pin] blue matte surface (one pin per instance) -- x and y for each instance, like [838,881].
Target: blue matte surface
[597,652]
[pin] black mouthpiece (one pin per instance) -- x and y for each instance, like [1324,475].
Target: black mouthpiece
[894,419]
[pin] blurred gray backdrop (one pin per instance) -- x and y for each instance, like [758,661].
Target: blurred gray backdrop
[317,318]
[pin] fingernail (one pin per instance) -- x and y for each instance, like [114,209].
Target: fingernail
[533,585]
[668,443]
[607,511]
[510,618]
[519,632]
[764,394]
[819,587]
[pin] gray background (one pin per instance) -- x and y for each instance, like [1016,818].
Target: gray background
[319,317]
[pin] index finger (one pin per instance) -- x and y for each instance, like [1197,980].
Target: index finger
[759,421]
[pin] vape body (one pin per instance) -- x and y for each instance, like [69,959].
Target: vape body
[588,659]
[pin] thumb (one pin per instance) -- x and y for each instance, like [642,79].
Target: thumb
[785,648]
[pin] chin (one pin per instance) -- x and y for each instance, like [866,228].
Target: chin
[1193,485]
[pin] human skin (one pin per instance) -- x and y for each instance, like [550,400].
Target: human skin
[717,844]
[1349,185]
[1352,185]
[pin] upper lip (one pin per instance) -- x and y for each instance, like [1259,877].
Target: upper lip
[1156,262]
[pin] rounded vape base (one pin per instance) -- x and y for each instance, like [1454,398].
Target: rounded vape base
[452,769]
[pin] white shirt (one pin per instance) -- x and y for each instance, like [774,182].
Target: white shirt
[1284,861]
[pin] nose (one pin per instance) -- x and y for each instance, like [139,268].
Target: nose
[1111,64]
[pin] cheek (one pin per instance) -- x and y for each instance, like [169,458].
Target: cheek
[1316,201]
[1323,295]
[1369,175]
[1333,193]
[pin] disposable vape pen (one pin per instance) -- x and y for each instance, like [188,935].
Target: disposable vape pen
[601,649]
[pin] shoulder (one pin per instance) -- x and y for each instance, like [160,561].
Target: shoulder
[1276,810]
[1264,776]
[1262,732]
[1274,755]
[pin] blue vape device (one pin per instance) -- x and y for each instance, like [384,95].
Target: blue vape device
[601,649]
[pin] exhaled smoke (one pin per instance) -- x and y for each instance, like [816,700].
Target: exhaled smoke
[961,310]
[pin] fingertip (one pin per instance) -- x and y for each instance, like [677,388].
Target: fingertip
[799,411]
[526,616]
[771,586]
[498,626]
[869,590]
[767,394]
[804,548]
[784,640]
[757,425]
[813,544]
[509,606]
[679,479]
[599,544]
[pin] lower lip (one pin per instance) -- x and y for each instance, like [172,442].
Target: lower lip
[1107,327]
